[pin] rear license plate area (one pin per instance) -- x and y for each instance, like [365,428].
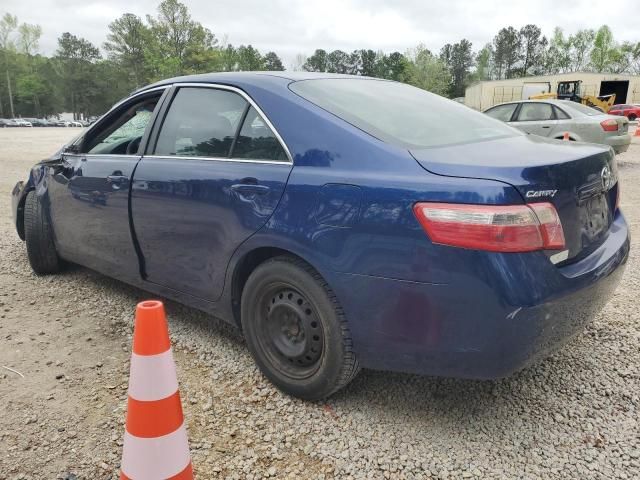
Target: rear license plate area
[598,217]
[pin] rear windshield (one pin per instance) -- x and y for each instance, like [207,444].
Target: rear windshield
[585,110]
[400,114]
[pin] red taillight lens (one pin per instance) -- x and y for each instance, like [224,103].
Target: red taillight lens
[496,228]
[609,125]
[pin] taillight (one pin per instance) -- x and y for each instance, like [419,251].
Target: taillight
[609,125]
[495,228]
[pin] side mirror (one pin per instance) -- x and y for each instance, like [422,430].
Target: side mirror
[71,149]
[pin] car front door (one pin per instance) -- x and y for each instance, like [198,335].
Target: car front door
[213,175]
[536,118]
[89,194]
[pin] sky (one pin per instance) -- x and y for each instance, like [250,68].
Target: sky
[289,27]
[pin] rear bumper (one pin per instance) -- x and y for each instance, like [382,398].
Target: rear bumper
[620,143]
[511,311]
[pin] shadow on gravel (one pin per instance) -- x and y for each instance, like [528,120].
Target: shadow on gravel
[175,311]
[387,396]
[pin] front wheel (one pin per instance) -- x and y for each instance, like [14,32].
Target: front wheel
[632,117]
[38,234]
[296,330]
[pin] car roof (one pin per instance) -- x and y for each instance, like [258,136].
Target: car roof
[257,79]
[552,101]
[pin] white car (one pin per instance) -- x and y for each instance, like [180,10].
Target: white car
[21,122]
[557,118]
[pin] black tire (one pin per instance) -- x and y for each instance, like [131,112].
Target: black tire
[632,117]
[38,234]
[296,329]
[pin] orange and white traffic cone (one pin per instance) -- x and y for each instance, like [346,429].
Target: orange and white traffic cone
[155,440]
[637,133]
[565,136]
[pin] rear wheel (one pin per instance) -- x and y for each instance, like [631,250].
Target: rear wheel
[38,234]
[296,330]
[632,117]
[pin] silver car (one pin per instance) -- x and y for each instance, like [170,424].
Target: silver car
[555,118]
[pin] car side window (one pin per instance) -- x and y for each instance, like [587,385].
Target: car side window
[502,112]
[560,114]
[530,112]
[201,122]
[256,140]
[122,131]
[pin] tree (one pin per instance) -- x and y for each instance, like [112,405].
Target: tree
[176,40]
[8,25]
[338,62]
[77,57]
[558,56]
[29,38]
[368,60]
[483,63]
[507,47]
[272,62]
[459,59]
[318,62]
[581,43]
[530,38]
[394,66]
[605,52]
[127,40]
[249,59]
[426,71]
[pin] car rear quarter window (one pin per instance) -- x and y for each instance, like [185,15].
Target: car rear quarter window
[201,122]
[256,140]
[400,114]
[530,112]
[561,114]
[502,112]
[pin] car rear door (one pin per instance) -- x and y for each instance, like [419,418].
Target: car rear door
[536,118]
[89,194]
[213,175]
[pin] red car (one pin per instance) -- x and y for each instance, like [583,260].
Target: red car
[630,111]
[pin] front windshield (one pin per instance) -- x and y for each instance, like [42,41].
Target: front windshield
[400,114]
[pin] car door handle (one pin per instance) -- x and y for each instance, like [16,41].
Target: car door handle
[250,189]
[116,181]
[546,126]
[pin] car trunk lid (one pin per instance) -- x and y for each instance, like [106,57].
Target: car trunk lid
[580,180]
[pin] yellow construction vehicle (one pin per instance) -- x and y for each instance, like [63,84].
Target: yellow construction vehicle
[572,90]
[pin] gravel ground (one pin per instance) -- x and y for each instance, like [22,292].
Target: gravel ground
[575,415]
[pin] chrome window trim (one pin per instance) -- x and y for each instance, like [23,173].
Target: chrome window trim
[218,159]
[249,100]
[110,155]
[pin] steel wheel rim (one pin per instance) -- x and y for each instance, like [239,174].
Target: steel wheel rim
[290,332]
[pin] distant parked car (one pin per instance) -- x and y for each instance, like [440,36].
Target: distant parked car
[37,122]
[21,122]
[554,118]
[4,123]
[632,112]
[62,123]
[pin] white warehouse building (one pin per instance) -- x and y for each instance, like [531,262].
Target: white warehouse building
[482,95]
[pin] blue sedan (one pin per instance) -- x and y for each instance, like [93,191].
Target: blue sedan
[341,222]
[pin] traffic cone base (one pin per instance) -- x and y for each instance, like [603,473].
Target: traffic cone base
[155,440]
[156,458]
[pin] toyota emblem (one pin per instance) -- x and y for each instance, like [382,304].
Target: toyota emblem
[607,182]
